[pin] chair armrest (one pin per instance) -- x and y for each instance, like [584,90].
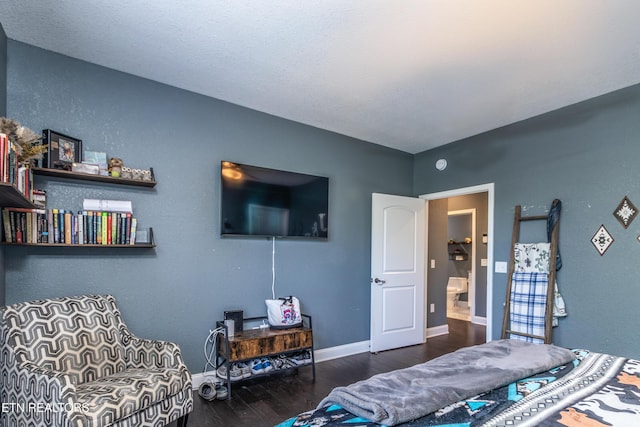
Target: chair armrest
[34,394]
[61,387]
[144,353]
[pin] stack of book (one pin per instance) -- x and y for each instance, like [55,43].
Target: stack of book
[8,160]
[11,172]
[86,227]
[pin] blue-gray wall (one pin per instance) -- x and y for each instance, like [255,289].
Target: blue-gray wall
[179,290]
[3,71]
[438,251]
[3,108]
[586,155]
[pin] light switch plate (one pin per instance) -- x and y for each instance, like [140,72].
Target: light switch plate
[501,266]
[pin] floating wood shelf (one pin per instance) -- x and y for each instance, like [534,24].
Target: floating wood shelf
[459,254]
[59,173]
[150,244]
[65,245]
[11,197]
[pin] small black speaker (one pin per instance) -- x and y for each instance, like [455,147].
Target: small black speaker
[238,319]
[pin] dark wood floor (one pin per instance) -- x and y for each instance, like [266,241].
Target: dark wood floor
[271,400]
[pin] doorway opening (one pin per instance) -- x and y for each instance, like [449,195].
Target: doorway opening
[481,308]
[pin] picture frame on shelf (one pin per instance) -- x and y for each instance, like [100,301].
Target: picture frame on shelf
[62,150]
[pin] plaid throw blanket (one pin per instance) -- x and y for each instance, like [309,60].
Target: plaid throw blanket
[528,301]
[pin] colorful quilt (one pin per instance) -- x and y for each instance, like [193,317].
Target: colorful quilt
[595,390]
[407,394]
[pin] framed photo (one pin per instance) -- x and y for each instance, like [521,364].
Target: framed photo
[63,150]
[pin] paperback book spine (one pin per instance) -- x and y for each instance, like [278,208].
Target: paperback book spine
[105,228]
[59,226]
[56,226]
[7,226]
[134,226]
[67,228]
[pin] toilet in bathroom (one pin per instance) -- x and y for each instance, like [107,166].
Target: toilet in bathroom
[455,287]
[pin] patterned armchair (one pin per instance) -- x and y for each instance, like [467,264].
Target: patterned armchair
[73,362]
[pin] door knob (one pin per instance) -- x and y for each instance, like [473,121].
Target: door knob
[378,281]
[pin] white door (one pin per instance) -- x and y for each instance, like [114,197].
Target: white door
[397,271]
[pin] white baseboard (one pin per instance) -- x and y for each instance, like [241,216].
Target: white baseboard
[341,351]
[437,330]
[479,320]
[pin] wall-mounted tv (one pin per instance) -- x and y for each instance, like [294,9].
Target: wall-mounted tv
[258,201]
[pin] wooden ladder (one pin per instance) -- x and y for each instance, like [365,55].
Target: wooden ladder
[517,220]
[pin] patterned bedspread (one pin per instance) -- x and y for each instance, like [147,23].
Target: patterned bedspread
[595,390]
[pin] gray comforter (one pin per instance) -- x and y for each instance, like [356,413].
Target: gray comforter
[406,394]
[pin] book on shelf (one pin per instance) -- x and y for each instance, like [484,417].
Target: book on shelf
[80,229]
[107,205]
[133,231]
[104,228]
[60,226]
[8,160]
[19,176]
[24,225]
[53,220]
[67,228]
[39,198]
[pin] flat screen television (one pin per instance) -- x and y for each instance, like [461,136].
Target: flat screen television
[263,202]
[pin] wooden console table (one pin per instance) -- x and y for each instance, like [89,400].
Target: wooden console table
[265,342]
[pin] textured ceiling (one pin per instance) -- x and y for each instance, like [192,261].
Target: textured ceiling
[411,74]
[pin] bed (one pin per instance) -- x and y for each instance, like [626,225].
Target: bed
[501,383]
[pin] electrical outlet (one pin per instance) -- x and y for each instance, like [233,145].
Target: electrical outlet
[432,308]
[433,263]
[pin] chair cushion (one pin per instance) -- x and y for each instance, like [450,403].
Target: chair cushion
[120,395]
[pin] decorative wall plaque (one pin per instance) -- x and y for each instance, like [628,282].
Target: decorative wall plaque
[625,212]
[602,240]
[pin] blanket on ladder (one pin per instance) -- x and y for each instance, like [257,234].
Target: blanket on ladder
[399,396]
[528,304]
